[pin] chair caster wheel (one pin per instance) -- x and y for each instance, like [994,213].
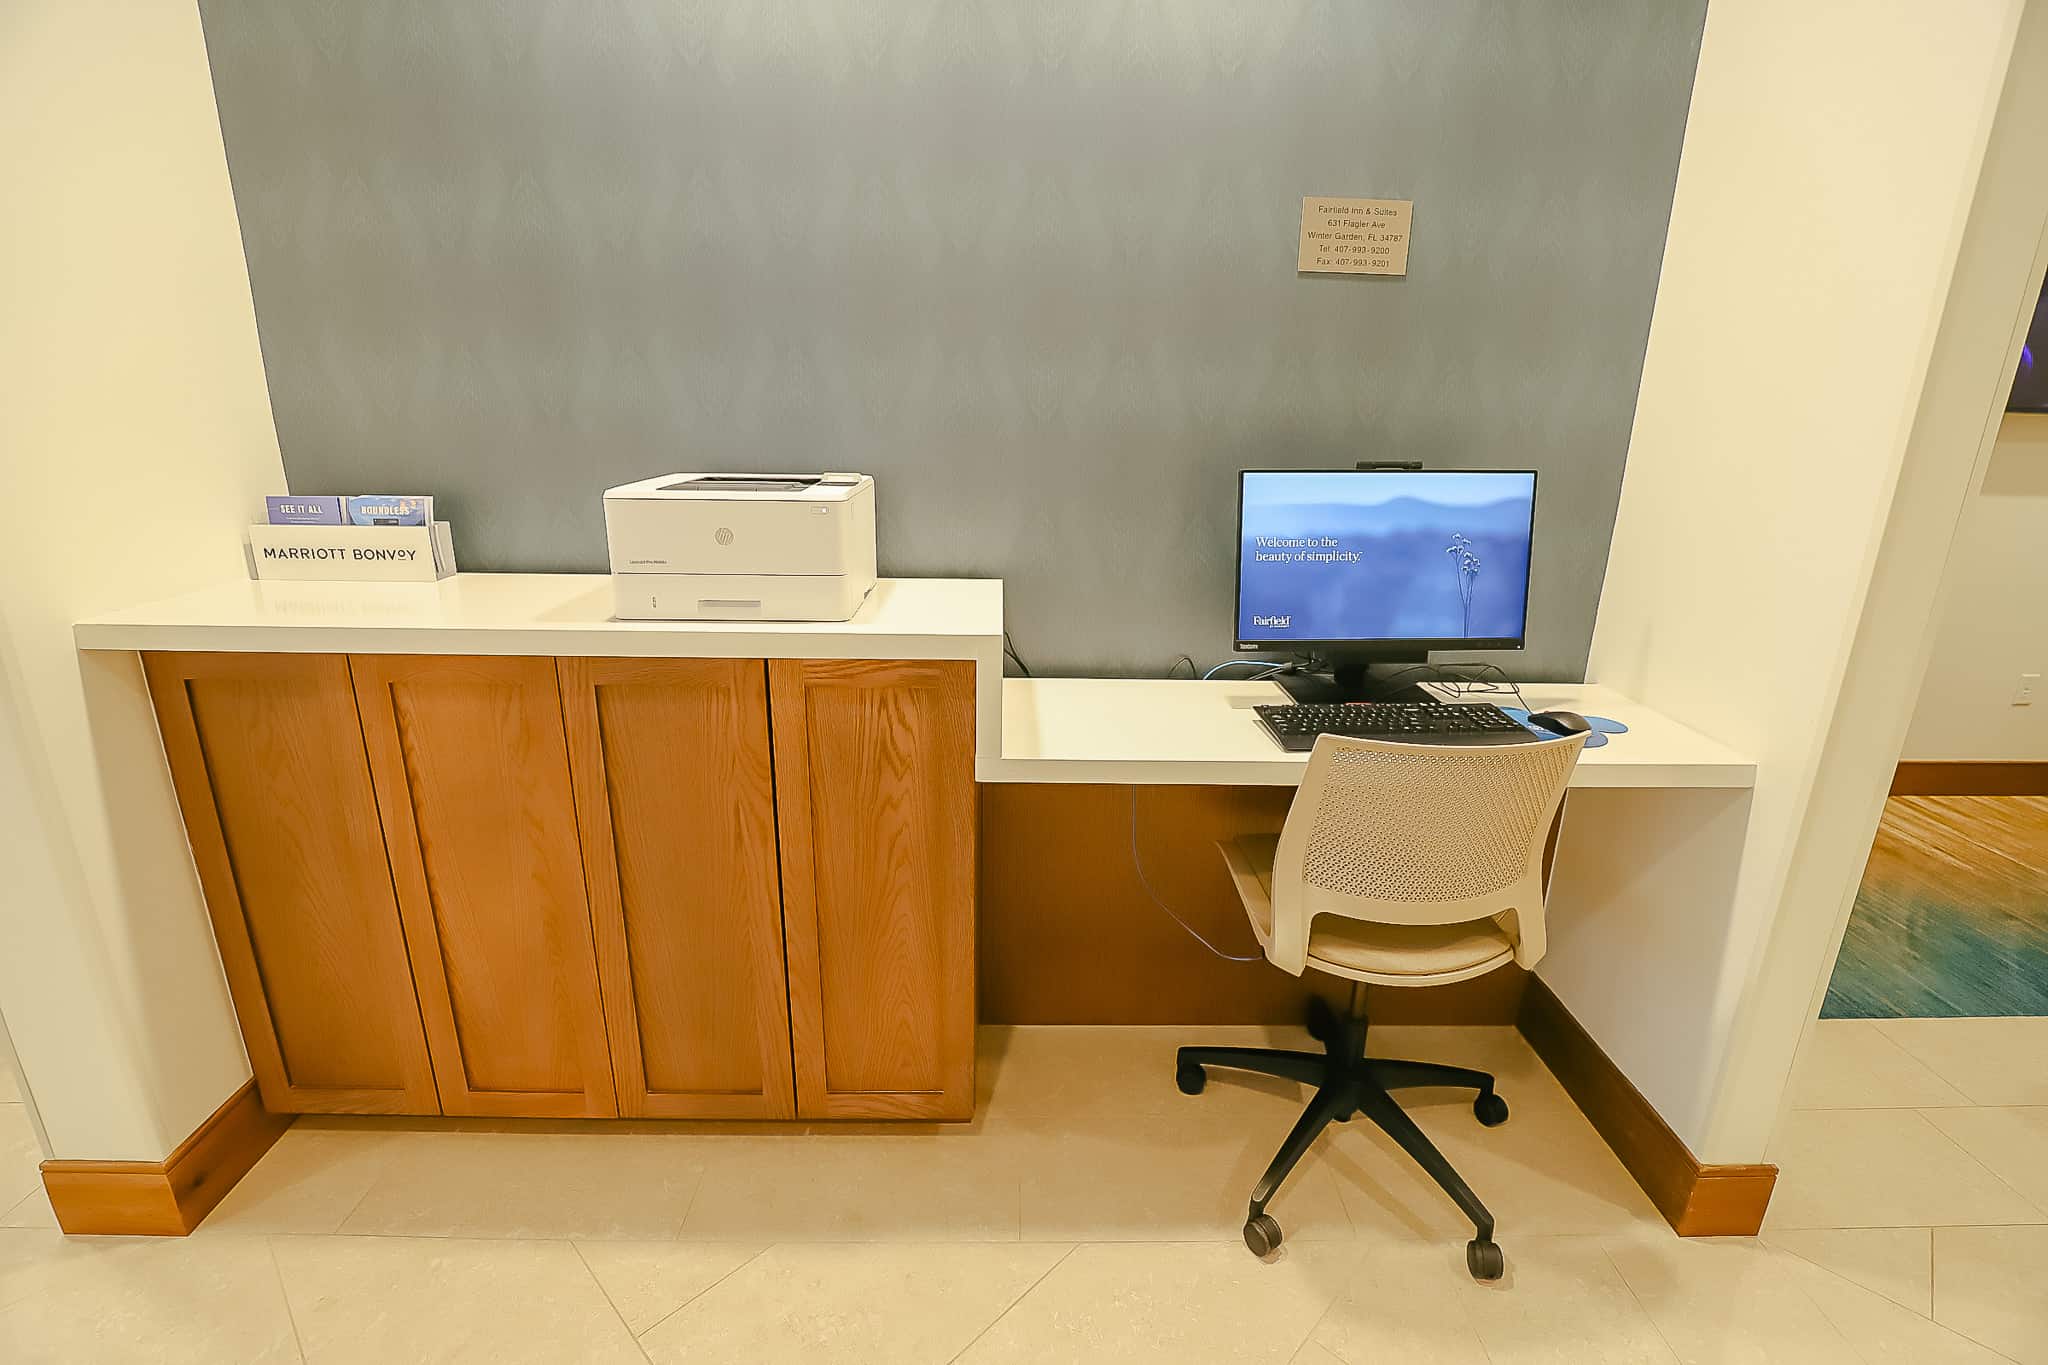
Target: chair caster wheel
[1490,1110]
[1190,1077]
[1262,1235]
[1322,1020]
[1483,1259]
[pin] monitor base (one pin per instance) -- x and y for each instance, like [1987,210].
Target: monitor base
[1351,682]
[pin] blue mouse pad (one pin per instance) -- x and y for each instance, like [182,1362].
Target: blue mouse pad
[1602,726]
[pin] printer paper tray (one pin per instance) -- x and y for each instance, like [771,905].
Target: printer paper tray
[737,597]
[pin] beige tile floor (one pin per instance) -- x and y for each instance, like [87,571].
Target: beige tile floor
[1915,1164]
[1090,1213]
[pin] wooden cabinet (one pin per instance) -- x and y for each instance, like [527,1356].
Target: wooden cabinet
[472,779]
[537,887]
[874,780]
[267,757]
[675,797]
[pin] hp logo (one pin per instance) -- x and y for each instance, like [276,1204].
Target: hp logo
[723,535]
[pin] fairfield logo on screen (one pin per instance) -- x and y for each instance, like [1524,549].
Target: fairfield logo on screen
[1273,622]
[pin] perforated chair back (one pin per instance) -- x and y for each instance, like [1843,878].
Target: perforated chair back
[1419,834]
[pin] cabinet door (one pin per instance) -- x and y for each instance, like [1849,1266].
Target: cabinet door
[677,808]
[874,798]
[267,757]
[472,778]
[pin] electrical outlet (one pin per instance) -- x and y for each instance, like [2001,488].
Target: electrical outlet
[2023,695]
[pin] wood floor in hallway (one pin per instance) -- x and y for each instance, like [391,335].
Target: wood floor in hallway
[1952,918]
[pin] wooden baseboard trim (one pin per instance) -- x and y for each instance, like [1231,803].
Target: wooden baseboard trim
[167,1198]
[1970,779]
[1697,1200]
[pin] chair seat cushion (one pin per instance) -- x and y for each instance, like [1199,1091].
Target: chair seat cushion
[1391,954]
[1400,950]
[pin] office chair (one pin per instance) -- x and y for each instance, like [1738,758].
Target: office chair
[1398,865]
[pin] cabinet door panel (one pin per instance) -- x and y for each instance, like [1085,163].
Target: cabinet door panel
[266,754]
[677,807]
[874,782]
[472,778]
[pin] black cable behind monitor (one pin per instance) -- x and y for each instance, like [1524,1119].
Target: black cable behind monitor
[1010,650]
[1496,679]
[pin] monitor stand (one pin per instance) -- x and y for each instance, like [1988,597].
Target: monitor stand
[1351,680]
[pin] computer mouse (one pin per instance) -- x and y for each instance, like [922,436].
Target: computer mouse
[1560,722]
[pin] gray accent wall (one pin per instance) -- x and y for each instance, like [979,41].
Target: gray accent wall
[1030,263]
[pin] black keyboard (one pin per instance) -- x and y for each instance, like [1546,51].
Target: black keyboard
[1296,727]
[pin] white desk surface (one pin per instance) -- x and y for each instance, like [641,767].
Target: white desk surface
[1150,731]
[560,614]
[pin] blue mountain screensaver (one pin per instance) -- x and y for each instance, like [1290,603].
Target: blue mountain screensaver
[1384,555]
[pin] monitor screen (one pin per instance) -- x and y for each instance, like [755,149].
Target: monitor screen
[1374,556]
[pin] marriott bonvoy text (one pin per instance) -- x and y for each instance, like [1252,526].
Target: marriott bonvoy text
[324,552]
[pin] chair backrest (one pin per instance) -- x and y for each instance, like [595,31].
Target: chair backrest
[1419,834]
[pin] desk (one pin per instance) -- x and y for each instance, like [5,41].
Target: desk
[475,848]
[1070,935]
[598,716]
[1151,732]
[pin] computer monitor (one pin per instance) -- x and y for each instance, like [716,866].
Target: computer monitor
[1381,565]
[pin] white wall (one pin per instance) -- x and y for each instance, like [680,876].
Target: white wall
[1994,620]
[137,436]
[1816,224]
[1991,298]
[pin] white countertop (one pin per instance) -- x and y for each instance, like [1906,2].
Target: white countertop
[1027,729]
[1154,731]
[561,614]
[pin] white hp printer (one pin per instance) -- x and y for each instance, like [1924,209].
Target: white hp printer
[741,547]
